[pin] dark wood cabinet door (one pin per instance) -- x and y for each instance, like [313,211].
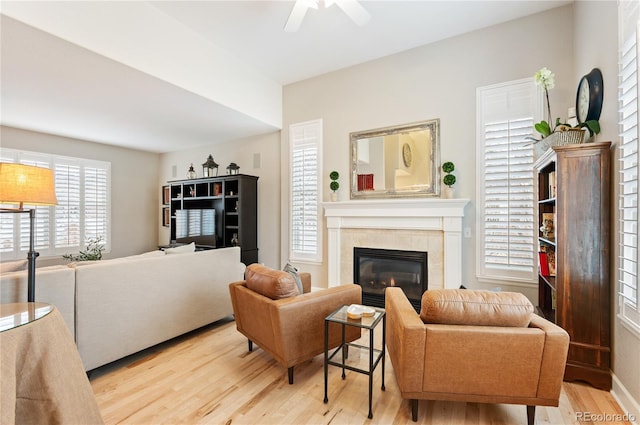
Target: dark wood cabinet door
[583,255]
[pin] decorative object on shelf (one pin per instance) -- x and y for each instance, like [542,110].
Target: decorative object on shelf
[210,168]
[25,184]
[545,79]
[334,185]
[233,168]
[234,240]
[449,179]
[547,226]
[558,133]
[191,174]
[166,216]
[92,252]
[166,195]
[192,191]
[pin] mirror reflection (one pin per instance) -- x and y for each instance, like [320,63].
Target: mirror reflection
[396,161]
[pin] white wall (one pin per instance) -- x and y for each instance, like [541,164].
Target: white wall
[134,190]
[158,49]
[241,152]
[599,49]
[433,81]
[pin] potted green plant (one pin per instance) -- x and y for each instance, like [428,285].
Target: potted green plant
[449,179]
[334,185]
[92,252]
[558,132]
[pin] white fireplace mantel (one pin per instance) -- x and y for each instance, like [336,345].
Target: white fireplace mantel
[437,214]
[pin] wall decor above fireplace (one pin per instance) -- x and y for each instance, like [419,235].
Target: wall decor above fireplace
[398,161]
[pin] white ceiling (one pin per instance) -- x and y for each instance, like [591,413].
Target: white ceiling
[58,87]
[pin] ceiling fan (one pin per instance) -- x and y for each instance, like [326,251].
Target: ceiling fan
[352,8]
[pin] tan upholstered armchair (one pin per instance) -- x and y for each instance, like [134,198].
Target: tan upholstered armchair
[289,326]
[474,346]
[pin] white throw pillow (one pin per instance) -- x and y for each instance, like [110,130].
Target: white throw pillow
[294,272]
[182,249]
[156,253]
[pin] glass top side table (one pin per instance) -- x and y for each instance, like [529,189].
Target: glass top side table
[375,355]
[20,314]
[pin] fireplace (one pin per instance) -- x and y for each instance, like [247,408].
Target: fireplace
[375,270]
[426,224]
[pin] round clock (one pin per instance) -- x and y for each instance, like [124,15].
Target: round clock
[589,96]
[406,155]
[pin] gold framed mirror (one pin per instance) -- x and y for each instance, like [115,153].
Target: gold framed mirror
[396,161]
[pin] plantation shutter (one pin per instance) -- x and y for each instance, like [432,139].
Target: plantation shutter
[506,243]
[68,210]
[629,81]
[95,203]
[305,144]
[7,221]
[83,193]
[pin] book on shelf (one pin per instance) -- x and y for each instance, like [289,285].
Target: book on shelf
[365,182]
[552,184]
[551,261]
[544,263]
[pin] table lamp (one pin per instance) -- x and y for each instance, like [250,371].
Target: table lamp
[25,184]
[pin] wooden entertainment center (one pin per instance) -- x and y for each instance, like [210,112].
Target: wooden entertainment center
[235,201]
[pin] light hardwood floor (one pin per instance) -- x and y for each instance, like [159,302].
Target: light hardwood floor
[209,377]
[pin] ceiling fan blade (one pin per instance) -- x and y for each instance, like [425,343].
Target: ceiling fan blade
[354,10]
[296,16]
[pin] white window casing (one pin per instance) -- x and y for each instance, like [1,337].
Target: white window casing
[506,246]
[305,143]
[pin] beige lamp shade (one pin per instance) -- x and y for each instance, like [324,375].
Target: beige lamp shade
[26,184]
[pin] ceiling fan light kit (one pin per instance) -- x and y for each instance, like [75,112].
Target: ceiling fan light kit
[352,8]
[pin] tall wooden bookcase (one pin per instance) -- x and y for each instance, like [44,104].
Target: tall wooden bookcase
[235,199]
[578,298]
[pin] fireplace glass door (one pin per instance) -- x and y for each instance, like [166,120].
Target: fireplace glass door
[378,269]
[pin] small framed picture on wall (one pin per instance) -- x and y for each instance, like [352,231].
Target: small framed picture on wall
[166,216]
[166,195]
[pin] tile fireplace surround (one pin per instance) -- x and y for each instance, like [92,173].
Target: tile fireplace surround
[433,225]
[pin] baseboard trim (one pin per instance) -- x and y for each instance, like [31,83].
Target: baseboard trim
[628,404]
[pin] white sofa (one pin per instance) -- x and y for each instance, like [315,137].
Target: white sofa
[125,305]
[54,285]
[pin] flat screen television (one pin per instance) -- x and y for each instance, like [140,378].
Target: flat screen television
[196,225]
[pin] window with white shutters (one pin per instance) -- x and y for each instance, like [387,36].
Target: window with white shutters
[83,192]
[305,141]
[629,80]
[505,182]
